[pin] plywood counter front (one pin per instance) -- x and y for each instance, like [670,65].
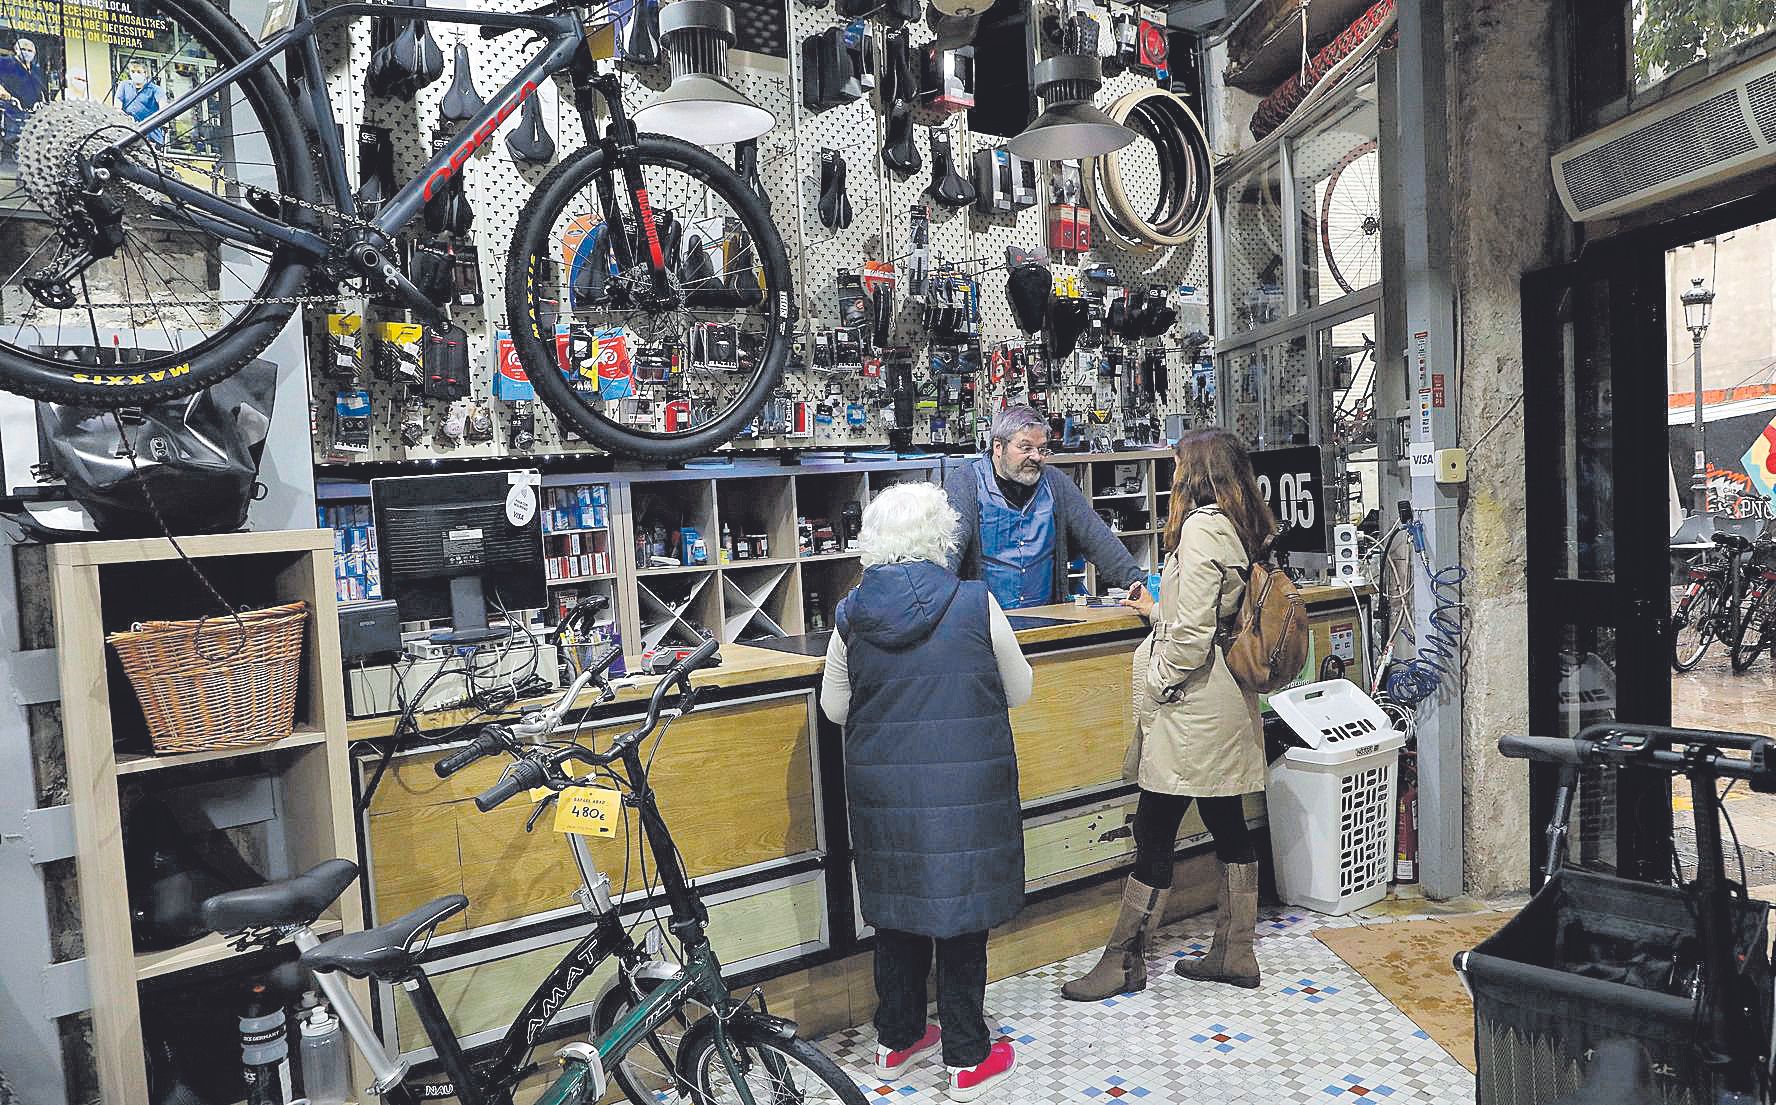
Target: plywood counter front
[753,789]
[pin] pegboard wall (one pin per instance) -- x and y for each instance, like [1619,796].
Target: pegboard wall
[789,166]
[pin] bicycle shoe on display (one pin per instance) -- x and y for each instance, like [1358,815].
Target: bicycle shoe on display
[835,205]
[529,140]
[461,101]
[641,40]
[947,187]
[900,153]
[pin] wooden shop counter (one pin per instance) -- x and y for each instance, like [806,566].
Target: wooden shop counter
[753,789]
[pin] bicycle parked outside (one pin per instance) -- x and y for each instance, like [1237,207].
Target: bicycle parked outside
[663,1031]
[1708,610]
[152,260]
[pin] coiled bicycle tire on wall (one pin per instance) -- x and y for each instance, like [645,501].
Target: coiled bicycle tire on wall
[1180,147]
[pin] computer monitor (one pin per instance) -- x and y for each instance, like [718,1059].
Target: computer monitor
[448,550]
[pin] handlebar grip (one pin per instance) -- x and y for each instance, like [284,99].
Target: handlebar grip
[699,658]
[602,664]
[522,775]
[1560,750]
[483,745]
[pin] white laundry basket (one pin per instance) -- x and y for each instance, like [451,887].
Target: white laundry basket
[1331,804]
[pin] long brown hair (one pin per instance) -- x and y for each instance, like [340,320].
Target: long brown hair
[1213,470]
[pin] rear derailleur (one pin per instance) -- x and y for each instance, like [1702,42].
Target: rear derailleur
[91,232]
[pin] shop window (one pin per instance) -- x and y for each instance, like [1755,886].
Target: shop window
[1253,222]
[1338,202]
[1347,365]
[1274,388]
[1669,35]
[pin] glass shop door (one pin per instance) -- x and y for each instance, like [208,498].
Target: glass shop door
[1596,517]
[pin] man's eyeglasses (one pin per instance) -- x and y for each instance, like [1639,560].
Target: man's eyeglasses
[1020,449]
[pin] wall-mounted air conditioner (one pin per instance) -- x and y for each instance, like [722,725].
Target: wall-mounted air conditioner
[1722,128]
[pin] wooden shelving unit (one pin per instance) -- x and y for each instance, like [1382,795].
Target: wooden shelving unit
[98,587]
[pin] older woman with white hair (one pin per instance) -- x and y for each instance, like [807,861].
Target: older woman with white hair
[922,672]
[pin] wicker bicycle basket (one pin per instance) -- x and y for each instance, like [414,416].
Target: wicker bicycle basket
[216,683]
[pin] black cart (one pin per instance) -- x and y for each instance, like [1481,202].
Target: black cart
[1608,991]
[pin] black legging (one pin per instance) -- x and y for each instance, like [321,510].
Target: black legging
[1157,818]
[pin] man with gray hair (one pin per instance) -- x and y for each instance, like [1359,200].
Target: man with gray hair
[1022,522]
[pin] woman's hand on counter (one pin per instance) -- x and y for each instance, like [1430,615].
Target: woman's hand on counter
[1139,600]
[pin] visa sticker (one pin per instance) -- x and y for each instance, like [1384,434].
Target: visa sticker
[588,811]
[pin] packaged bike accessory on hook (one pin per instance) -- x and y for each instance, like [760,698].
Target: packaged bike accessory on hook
[351,421]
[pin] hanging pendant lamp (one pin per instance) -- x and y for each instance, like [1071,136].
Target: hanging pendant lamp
[1070,125]
[700,106]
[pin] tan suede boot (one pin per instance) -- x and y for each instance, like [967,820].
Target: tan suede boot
[1231,958]
[1123,967]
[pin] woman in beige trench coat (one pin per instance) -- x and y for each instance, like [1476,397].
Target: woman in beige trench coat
[1198,736]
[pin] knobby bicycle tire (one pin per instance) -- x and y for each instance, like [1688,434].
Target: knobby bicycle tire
[532,326]
[247,334]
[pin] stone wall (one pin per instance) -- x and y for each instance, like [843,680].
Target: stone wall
[1507,114]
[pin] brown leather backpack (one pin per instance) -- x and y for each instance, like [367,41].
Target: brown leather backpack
[1266,647]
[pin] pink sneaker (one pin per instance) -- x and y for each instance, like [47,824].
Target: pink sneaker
[892,1064]
[968,1083]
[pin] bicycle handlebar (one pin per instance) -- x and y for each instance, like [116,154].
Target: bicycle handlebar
[522,775]
[543,768]
[1560,750]
[492,739]
[1651,746]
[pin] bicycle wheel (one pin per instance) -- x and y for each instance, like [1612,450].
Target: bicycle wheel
[1350,219]
[647,1072]
[656,380]
[1754,630]
[1692,630]
[775,1071]
[174,306]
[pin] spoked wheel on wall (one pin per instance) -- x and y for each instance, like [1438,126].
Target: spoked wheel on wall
[1350,219]
[1693,629]
[651,372]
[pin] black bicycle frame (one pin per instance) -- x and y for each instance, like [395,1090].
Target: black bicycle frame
[701,978]
[565,38]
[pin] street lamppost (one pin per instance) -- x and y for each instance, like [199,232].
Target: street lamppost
[1698,305]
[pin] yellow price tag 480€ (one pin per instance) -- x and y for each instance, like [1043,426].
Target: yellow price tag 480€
[588,811]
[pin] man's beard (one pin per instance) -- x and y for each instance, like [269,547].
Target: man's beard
[1027,473]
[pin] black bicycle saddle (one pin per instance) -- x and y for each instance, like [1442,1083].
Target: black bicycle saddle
[835,205]
[947,187]
[461,101]
[448,210]
[529,140]
[376,166]
[898,81]
[1067,319]
[694,268]
[746,166]
[671,233]
[743,278]
[900,153]
[641,43]
[1028,288]
[293,901]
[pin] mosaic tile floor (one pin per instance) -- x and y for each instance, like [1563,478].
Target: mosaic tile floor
[1315,1031]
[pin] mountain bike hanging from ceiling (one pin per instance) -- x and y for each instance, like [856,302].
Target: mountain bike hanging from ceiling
[147,258]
